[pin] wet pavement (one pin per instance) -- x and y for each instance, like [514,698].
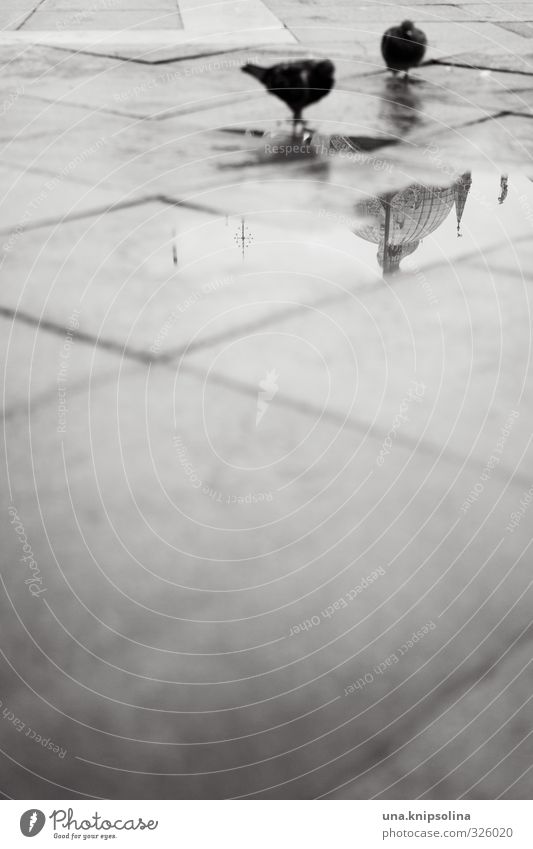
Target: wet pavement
[268,407]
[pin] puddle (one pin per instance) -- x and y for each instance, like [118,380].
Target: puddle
[353,237]
[415,224]
[423,224]
[280,144]
[398,222]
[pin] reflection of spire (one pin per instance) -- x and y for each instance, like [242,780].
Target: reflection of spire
[504,187]
[243,237]
[461,189]
[387,258]
[389,253]
[174,248]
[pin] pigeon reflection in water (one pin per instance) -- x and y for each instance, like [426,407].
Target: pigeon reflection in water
[400,106]
[400,220]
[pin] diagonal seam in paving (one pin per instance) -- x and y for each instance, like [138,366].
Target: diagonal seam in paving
[88,213]
[30,15]
[453,692]
[456,63]
[168,360]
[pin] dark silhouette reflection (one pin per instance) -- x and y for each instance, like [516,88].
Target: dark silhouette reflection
[504,187]
[400,106]
[400,220]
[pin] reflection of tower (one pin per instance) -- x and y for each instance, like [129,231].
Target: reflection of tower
[461,189]
[243,237]
[504,187]
[400,107]
[397,222]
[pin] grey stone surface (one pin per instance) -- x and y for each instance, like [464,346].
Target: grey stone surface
[149,557]
[215,479]
[49,361]
[151,19]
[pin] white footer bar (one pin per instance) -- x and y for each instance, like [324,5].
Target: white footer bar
[264,824]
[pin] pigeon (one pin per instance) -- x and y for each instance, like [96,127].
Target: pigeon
[298,84]
[403,47]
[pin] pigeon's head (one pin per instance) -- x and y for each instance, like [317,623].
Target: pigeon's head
[407,27]
[326,69]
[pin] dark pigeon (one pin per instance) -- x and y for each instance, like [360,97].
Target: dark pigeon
[403,47]
[298,84]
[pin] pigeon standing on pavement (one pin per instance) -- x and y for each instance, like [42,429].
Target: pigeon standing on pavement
[403,47]
[298,84]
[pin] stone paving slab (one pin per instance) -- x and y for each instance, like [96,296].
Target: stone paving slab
[10,19]
[507,145]
[451,37]
[36,199]
[504,260]
[46,361]
[497,60]
[142,299]
[469,383]
[514,11]
[124,6]
[382,105]
[143,89]
[182,537]
[34,115]
[524,30]
[314,668]
[462,755]
[87,22]
[492,87]
[359,16]
[159,43]
[243,22]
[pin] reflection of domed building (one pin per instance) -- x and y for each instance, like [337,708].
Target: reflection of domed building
[398,222]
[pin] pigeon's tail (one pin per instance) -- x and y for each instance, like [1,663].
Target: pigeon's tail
[254,71]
